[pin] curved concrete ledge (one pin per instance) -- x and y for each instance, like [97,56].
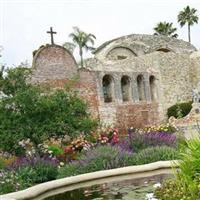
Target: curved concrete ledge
[41,190]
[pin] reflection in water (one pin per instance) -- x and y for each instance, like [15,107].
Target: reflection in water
[136,189]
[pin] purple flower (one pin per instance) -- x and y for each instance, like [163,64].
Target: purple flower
[33,161]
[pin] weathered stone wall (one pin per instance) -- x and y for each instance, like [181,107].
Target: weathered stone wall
[87,89]
[174,71]
[195,69]
[132,112]
[143,44]
[137,115]
[119,53]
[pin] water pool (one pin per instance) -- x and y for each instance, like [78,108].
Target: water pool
[134,189]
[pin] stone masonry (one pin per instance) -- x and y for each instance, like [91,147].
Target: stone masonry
[131,81]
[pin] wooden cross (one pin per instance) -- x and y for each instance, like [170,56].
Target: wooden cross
[51,32]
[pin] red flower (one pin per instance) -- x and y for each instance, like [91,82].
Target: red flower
[69,150]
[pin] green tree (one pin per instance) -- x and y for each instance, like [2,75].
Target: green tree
[188,16]
[14,80]
[2,68]
[166,29]
[81,40]
[30,111]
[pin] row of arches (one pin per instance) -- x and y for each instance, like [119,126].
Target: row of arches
[127,88]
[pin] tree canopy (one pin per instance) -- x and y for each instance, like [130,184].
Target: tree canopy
[82,41]
[166,29]
[29,111]
[188,16]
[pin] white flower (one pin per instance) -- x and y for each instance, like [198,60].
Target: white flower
[150,196]
[157,185]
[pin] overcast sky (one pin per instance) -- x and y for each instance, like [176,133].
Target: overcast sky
[23,23]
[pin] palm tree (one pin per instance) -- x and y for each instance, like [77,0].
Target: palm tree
[69,46]
[81,39]
[188,16]
[166,29]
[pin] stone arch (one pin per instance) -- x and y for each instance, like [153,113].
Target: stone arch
[153,88]
[141,87]
[162,48]
[120,53]
[108,88]
[126,88]
[165,50]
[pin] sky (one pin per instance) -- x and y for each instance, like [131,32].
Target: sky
[23,23]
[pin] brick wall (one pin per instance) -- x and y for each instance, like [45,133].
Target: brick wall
[87,88]
[53,62]
[138,115]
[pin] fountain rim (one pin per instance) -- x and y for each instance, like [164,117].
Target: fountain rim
[34,192]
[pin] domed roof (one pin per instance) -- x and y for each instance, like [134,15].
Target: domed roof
[195,54]
[141,44]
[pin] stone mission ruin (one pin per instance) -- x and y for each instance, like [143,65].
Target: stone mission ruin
[131,81]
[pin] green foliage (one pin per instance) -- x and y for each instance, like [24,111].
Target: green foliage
[2,163]
[27,176]
[188,16]
[173,190]
[166,29]
[35,113]
[179,110]
[153,154]
[100,158]
[44,172]
[15,80]
[9,182]
[81,40]
[187,178]
[56,150]
[108,157]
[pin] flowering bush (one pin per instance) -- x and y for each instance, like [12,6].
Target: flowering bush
[153,154]
[9,182]
[164,128]
[100,158]
[139,141]
[27,171]
[105,135]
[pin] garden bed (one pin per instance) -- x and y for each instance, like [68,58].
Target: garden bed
[58,186]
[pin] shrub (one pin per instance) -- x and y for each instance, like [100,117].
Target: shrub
[139,141]
[27,171]
[173,190]
[55,150]
[179,110]
[100,158]
[160,128]
[2,163]
[25,113]
[6,161]
[187,178]
[9,182]
[153,154]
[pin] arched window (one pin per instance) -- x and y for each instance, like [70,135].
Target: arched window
[125,87]
[120,53]
[141,88]
[108,88]
[153,90]
[163,50]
